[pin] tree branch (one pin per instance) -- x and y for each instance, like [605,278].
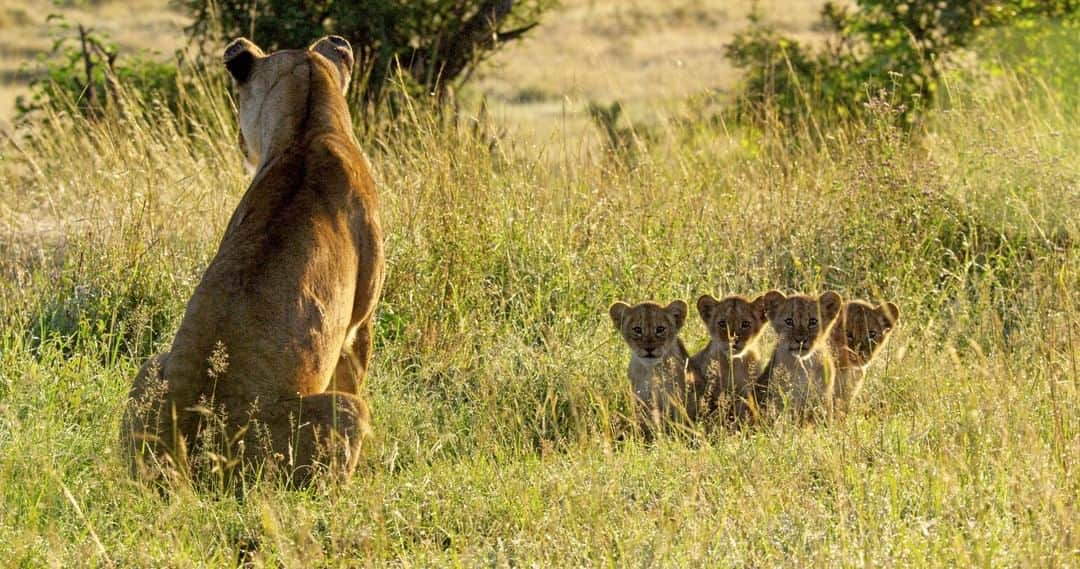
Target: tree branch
[88,63]
[516,33]
[479,33]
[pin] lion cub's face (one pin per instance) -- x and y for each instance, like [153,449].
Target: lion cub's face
[272,90]
[651,330]
[863,328]
[734,322]
[801,321]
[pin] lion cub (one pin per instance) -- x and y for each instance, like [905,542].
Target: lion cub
[799,376]
[860,331]
[729,363]
[660,373]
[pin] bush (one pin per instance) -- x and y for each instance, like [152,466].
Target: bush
[436,43]
[85,69]
[893,45]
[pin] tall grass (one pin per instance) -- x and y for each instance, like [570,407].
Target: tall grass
[499,387]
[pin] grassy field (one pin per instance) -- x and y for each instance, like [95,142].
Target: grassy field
[499,390]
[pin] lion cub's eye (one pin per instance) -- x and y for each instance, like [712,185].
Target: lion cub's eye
[873,335]
[789,322]
[745,324]
[813,322]
[721,323]
[637,329]
[660,329]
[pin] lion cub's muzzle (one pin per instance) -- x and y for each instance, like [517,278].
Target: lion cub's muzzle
[734,345]
[650,353]
[799,348]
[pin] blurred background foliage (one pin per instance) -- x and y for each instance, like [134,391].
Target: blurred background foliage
[876,52]
[424,47]
[900,47]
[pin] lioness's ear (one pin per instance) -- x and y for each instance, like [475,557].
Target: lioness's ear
[830,303]
[340,53]
[617,312]
[772,300]
[705,305]
[677,310]
[891,311]
[240,56]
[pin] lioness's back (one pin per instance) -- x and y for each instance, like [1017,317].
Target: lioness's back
[286,305]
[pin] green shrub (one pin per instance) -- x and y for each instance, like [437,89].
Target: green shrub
[897,46]
[436,43]
[85,69]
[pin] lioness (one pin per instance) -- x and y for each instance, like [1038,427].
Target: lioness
[860,331]
[290,295]
[729,363]
[662,379]
[800,375]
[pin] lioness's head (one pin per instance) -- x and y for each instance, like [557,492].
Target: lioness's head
[651,330]
[862,329]
[734,322]
[801,321]
[277,92]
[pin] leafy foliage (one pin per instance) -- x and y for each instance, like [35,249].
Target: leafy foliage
[898,45]
[437,43]
[85,69]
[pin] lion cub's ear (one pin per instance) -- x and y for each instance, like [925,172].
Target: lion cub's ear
[891,312]
[706,303]
[771,301]
[830,303]
[340,53]
[618,312]
[760,308]
[240,57]
[677,310]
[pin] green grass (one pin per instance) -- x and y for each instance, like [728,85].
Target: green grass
[499,386]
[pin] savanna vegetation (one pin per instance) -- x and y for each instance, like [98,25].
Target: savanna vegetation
[503,420]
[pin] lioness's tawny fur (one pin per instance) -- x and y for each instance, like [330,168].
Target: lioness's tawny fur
[290,295]
[661,376]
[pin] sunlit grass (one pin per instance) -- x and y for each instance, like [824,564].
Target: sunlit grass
[499,386]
